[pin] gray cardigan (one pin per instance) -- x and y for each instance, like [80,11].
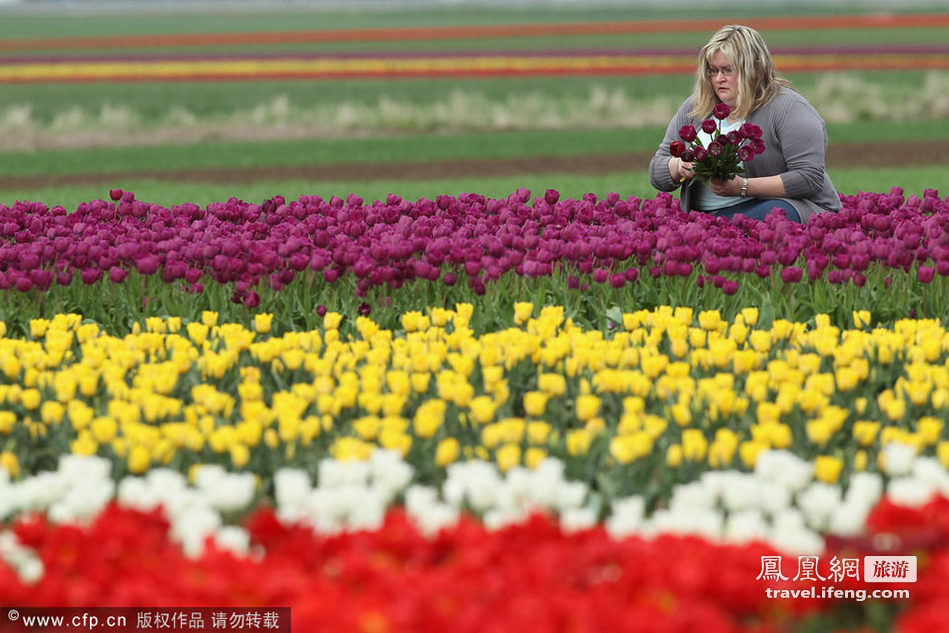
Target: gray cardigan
[795,143]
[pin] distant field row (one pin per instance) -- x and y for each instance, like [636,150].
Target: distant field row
[16,25]
[393,149]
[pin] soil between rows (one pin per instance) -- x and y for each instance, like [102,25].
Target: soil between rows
[839,156]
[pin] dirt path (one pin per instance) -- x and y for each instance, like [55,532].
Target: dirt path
[838,157]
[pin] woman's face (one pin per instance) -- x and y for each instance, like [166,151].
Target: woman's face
[724,78]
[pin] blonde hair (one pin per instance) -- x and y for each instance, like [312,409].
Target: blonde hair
[757,82]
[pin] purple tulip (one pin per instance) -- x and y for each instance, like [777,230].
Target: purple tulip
[687,133]
[90,276]
[925,274]
[715,148]
[117,274]
[721,111]
[709,126]
[791,275]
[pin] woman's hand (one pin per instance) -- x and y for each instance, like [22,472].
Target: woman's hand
[725,187]
[680,170]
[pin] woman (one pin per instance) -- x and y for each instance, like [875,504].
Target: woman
[735,68]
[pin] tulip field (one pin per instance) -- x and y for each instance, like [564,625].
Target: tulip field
[430,377]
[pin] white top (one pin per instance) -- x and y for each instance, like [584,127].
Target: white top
[704,198]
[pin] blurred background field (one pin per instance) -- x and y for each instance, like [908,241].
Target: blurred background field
[183,104]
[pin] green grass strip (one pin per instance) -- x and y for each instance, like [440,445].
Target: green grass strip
[848,182]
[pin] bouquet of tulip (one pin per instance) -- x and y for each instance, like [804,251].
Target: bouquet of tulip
[723,157]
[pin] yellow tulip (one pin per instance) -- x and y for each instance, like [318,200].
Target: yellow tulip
[819,431]
[522,312]
[263,322]
[447,451]
[38,327]
[535,402]
[588,405]
[861,319]
[104,429]
[694,445]
[552,384]
[860,461]
[7,420]
[846,378]
[429,417]
[827,468]
[674,455]
[10,463]
[240,455]
[710,320]
[749,450]
[30,399]
[929,430]
[508,456]
[138,459]
[533,456]
[209,318]
[578,442]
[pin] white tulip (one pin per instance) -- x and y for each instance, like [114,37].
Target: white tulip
[742,492]
[785,468]
[31,571]
[626,516]
[789,519]
[910,491]
[191,529]
[744,526]
[692,496]
[817,502]
[930,470]
[333,473]
[495,520]
[166,480]
[849,518]
[291,487]
[231,492]
[233,539]
[420,498]
[208,476]
[570,494]
[865,488]
[453,491]
[577,519]
[435,518]
[774,497]
[898,458]
[797,542]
